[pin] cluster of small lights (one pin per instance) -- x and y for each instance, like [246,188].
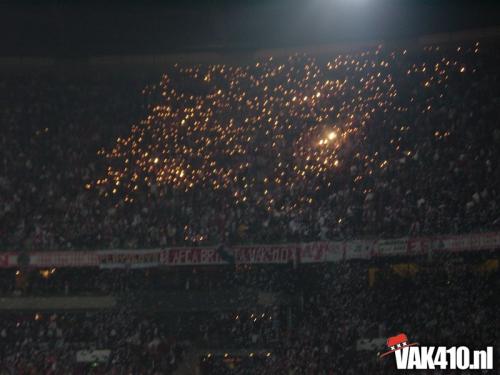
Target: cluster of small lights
[255,317]
[257,131]
[228,355]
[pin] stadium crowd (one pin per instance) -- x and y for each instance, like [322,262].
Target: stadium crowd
[442,302]
[373,143]
[47,343]
[439,304]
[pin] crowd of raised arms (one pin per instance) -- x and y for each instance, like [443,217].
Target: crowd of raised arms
[373,143]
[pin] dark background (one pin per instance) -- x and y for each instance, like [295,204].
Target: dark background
[77,28]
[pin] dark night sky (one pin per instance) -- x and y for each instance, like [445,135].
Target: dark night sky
[74,28]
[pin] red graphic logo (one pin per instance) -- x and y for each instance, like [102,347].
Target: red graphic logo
[397,342]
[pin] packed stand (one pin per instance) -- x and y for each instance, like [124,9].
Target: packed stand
[47,343]
[439,304]
[441,301]
[372,143]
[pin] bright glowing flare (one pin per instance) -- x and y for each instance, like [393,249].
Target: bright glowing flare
[332,135]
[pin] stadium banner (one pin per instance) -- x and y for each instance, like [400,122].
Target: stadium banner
[41,259]
[63,259]
[359,249]
[317,252]
[336,251]
[190,256]
[397,246]
[449,244]
[129,258]
[485,241]
[471,242]
[253,254]
[419,246]
[256,254]
[314,252]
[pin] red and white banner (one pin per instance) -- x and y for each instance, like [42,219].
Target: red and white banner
[190,256]
[314,252]
[255,254]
